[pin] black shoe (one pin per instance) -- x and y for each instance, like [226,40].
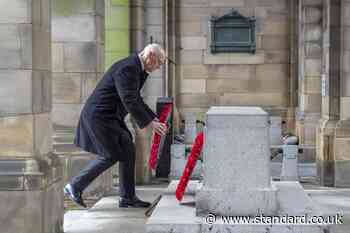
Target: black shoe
[74,195]
[135,202]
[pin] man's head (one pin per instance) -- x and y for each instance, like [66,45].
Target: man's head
[153,56]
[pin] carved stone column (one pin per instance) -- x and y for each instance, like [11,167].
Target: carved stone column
[342,131]
[309,68]
[31,175]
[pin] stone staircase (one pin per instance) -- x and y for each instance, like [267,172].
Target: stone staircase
[74,159]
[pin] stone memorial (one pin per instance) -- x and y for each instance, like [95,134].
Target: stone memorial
[236,182]
[237,175]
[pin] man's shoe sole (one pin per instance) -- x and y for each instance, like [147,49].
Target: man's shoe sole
[71,197]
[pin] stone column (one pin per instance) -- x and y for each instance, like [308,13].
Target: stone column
[309,77]
[77,64]
[117,27]
[342,131]
[329,92]
[146,27]
[31,175]
[236,138]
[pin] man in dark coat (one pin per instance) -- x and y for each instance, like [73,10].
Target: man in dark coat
[102,131]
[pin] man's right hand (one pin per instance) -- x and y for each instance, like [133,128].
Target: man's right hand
[158,127]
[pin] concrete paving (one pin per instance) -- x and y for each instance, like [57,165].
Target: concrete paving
[106,217]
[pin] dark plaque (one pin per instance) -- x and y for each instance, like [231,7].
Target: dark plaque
[233,33]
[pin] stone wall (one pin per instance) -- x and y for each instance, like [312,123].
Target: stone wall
[77,56]
[31,175]
[206,79]
[78,38]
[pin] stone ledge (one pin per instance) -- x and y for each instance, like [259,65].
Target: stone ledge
[234,58]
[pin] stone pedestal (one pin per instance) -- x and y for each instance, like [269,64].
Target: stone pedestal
[190,128]
[236,182]
[30,174]
[237,177]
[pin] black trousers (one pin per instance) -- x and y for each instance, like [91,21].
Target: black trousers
[99,165]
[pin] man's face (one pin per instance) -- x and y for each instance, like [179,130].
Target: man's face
[152,62]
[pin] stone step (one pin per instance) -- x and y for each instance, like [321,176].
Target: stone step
[65,147]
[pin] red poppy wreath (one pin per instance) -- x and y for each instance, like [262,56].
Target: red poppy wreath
[158,141]
[191,163]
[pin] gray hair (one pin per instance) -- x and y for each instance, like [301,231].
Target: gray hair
[156,49]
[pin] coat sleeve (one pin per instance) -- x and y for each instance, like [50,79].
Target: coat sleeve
[127,84]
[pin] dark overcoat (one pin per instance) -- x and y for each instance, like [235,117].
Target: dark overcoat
[101,129]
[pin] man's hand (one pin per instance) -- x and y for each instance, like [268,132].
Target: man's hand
[158,127]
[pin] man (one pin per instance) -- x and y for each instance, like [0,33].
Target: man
[101,129]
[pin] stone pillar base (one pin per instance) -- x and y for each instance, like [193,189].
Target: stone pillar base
[31,196]
[342,154]
[325,152]
[217,202]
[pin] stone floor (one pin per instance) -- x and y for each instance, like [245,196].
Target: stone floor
[106,217]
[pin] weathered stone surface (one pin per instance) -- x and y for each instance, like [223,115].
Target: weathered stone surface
[197,100]
[66,114]
[267,3]
[313,15]
[42,91]
[275,28]
[57,56]
[241,72]
[42,130]
[154,31]
[74,28]
[252,187]
[66,88]
[41,48]
[18,11]
[88,84]
[227,85]
[227,3]
[253,99]
[190,127]
[16,136]
[191,57]
[313,32]
[193,86]
[344,108]
[153,16]
[313,49]
[193,43]
[342,147]
[342,174]
[313,67]
[346,61]
[346,12]
[193,13]
[275,42]
[80,57]
[153,87]
[312,85]
[19,82]
[193,71]
[234,59]
[271,71]
[277,56]
[189,28]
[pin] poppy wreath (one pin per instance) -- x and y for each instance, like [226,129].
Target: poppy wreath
[191,163]
[158,141]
